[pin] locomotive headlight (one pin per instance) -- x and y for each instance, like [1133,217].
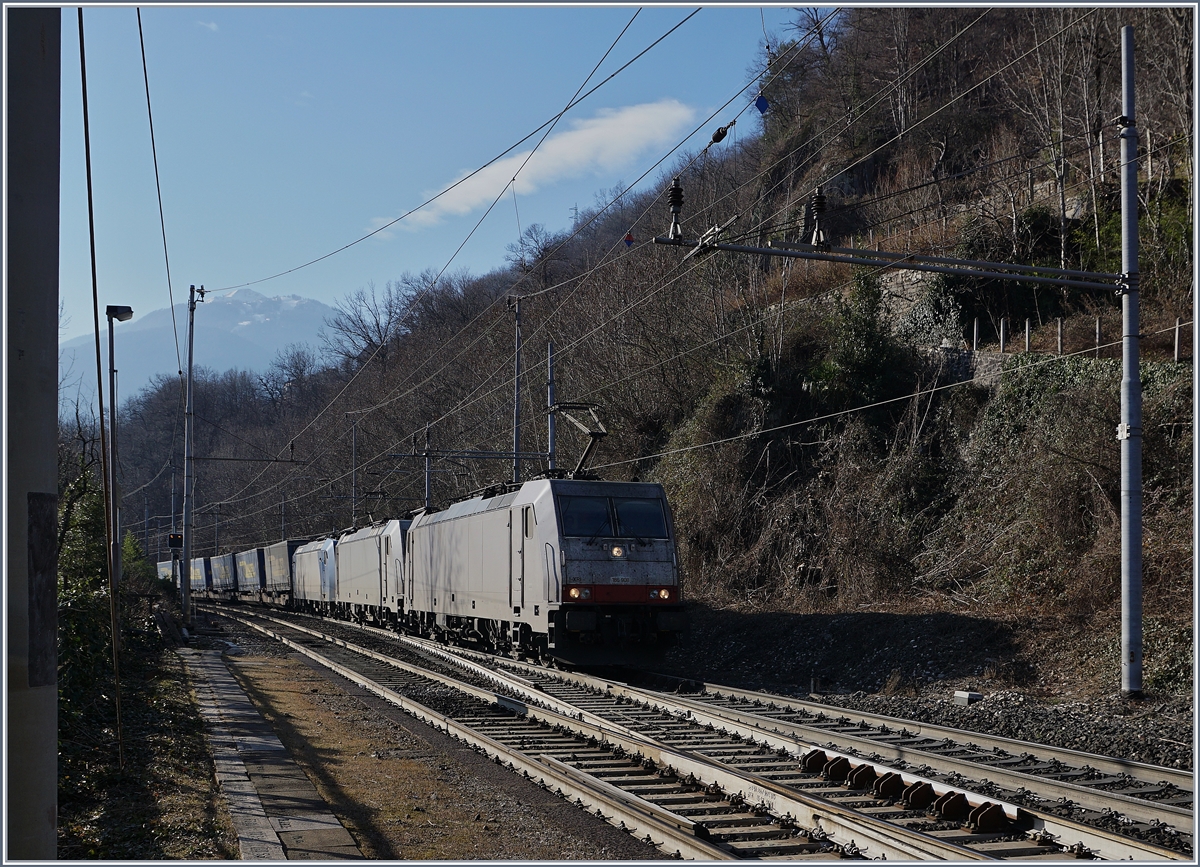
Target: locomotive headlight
[664,593]
[580,593]
[618,551]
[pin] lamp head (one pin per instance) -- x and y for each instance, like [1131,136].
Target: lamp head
[119,312]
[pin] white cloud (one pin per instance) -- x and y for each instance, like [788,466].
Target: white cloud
[211,25]
[606,144]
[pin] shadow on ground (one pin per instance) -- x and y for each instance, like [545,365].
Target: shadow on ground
[843,653]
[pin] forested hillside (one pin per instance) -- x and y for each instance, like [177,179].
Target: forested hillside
[789,407]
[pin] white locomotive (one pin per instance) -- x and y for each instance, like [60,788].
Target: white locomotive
[585,572]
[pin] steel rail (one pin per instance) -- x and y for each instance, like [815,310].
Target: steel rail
[846,828]
[1111,845]
[825,819]
[676,834]
[753,728]
[1181,779]
[811,737]
[798,736]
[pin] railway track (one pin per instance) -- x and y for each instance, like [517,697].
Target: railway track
[716,776]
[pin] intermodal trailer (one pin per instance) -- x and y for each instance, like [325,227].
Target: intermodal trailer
[251,574]
[279,563]
[224,576]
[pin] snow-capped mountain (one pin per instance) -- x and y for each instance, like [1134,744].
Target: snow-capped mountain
[242,329]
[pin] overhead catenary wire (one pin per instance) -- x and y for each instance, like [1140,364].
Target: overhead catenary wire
[919,393]
[759,320]
[579,229]
[620,313]
[594,330]
[550,124]
[508,382]
[158,187]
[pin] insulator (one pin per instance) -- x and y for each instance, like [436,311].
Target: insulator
[675,196]
[720,134]
[818,202]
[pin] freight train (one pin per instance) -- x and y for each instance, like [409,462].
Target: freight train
[582,572]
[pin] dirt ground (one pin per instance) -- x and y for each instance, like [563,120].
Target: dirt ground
[405,791]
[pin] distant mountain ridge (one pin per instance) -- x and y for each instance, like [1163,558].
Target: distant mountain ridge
[243,330]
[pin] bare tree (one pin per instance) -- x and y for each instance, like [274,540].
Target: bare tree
[366,322]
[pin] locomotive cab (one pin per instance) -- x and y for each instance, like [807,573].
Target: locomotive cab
[620,595]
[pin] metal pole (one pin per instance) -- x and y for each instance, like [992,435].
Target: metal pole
[354,473]
[1097,336]
[174,528]
[1003,333]
[428,474]
[550,395]
[975,338]
[123,314]
[1060,335]
[216,521]
[517,396]
[189,468]
[1178,322]
[114,492]
[1130,430]
[1026,335]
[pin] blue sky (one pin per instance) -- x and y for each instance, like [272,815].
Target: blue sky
[284,133]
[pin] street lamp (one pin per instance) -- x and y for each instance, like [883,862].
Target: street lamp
[122,314]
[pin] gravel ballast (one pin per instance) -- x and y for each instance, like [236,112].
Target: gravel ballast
[1039,682]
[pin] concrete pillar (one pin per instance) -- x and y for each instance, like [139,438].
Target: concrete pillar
[34,45]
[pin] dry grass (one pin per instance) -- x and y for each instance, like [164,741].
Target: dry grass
[164,803]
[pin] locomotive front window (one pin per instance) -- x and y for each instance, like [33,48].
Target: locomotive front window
[585,516]
[641,517]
